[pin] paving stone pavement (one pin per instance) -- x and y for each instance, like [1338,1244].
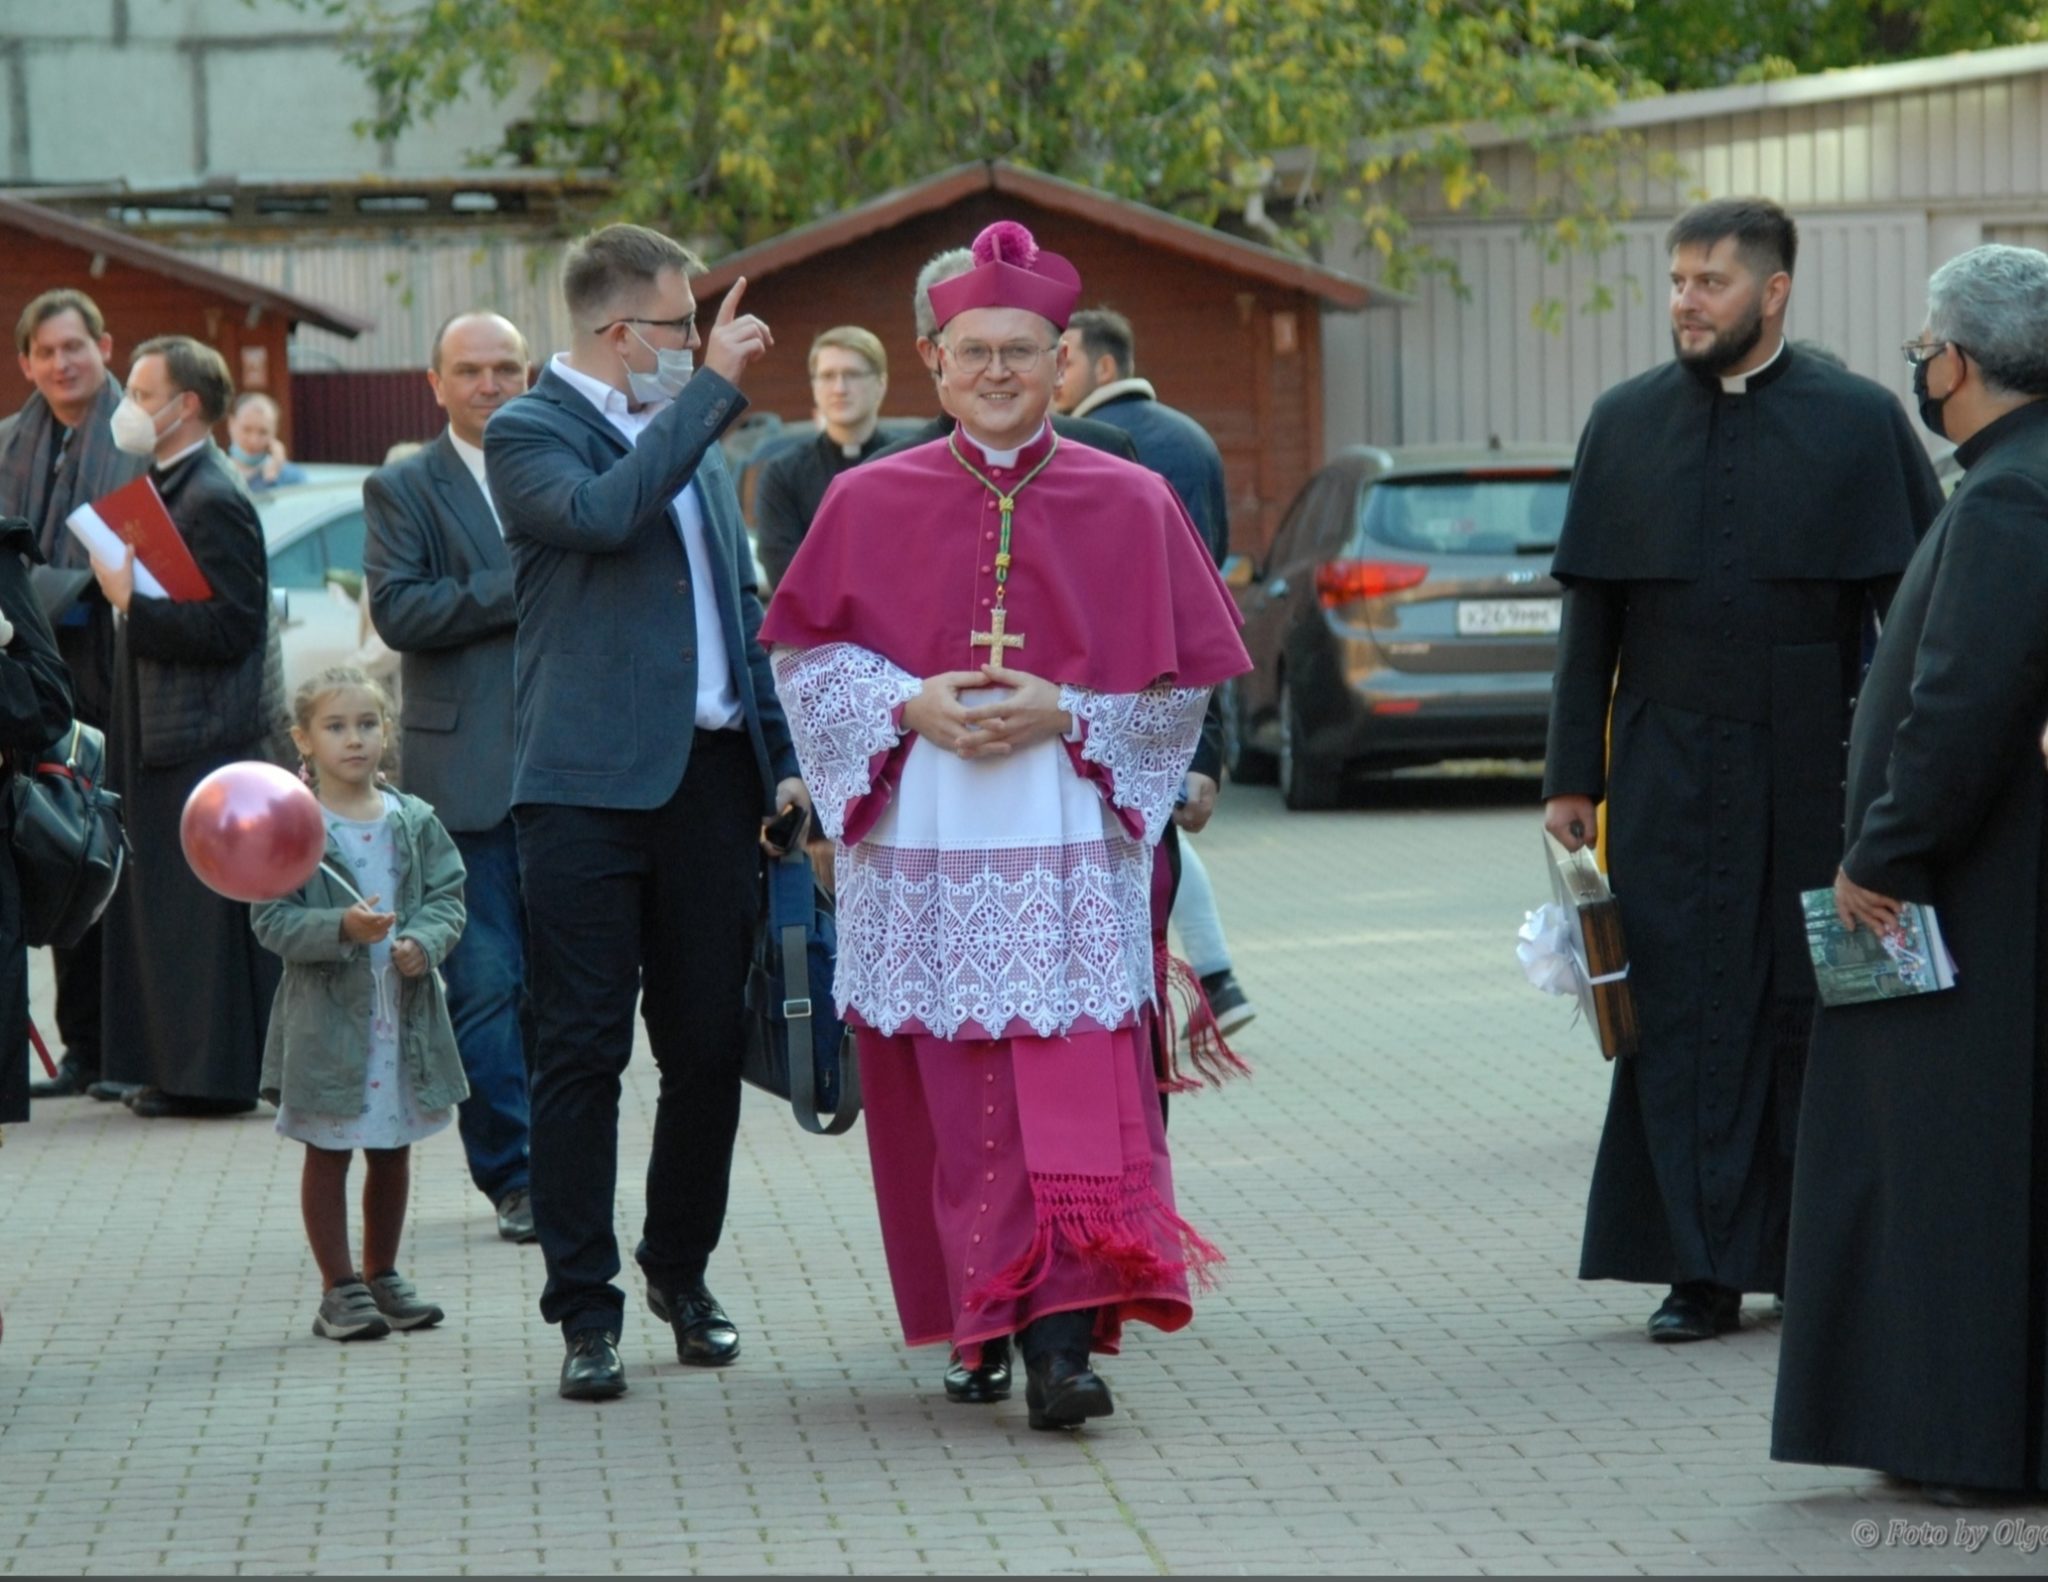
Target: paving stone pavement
[1398,1373]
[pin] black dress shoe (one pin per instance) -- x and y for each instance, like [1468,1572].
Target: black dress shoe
[1062,1392]
[1696,1310]
[72,1078]
[515,1216]
[987,1383]
[112,1092]
[155,1104]
[1059,1387]
[705,1337]
[592,1370]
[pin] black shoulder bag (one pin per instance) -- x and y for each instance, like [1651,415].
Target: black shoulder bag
[797,1048]
[69,846]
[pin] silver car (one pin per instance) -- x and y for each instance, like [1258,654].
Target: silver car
[1403,615]
[313,534]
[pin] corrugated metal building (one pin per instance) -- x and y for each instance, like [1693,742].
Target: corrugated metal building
[1889,170]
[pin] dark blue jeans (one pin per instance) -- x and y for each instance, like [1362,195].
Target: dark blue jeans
[487,1002]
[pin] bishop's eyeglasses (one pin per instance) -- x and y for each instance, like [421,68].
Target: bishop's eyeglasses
[1017,357]
[1918,352]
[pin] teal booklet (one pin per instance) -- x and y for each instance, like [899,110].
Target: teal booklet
[1851,968]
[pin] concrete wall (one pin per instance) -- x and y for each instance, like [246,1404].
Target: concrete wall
[174,90]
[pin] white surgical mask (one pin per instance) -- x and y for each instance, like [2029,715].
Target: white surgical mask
[672,370]
[135,430]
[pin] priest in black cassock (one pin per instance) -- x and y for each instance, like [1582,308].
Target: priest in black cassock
[1916,1318]
[196,686]
[1735,516]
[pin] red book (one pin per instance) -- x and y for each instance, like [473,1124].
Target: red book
[134,515]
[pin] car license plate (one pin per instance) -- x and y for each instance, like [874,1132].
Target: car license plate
[1509,617]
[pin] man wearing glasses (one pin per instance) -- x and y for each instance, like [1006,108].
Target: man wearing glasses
[649,750]
[1735,515]
[995,651]
[849,378]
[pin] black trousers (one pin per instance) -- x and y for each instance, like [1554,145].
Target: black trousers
[657,906]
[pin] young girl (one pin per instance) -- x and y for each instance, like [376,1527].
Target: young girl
[360,1052]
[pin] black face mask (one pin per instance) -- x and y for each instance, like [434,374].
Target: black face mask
[1930,406]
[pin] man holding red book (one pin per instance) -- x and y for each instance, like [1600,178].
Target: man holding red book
[187,988]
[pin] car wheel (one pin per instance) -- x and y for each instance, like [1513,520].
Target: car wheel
[1243,762]
[1306,782]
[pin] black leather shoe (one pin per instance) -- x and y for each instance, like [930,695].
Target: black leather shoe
[1059,1387]
[72,1079]
[515,1216]
[1697,1310]
[987,1383]
[1062,1392]
[705,1337]
[112,1092]
[154,1104]
[592,1370]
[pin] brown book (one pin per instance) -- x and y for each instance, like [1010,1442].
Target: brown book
[1605,997]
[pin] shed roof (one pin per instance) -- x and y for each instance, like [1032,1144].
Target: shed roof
[1154,227]
[19,214]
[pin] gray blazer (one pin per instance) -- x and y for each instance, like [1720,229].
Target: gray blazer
[605,673]
[440,580]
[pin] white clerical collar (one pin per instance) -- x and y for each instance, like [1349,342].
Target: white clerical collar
[1738,384]
[168,462]
[1004,458]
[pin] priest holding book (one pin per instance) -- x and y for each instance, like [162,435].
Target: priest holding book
[995,650]
[187,990]
[1916,1314]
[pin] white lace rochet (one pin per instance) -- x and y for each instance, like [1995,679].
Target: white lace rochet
[995,896]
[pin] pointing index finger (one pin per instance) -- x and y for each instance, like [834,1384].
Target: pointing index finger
[731,305]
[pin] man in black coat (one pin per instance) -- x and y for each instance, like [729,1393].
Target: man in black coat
[188,990]
[1734,517]
[650,750]
[440,582]
[1916,1315]
[849,381]
[57,454]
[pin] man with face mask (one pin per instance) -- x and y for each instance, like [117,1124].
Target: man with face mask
[57,454]
[1734,515]
[188,990]
[1918,1295]
[648,753]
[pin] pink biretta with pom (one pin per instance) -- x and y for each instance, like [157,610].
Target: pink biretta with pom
[1010,271]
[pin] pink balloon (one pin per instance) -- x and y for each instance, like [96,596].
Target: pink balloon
[252,832]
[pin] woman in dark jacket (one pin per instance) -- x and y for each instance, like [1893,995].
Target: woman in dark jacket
[35,710]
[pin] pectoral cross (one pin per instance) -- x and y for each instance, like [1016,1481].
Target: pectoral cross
[996,638]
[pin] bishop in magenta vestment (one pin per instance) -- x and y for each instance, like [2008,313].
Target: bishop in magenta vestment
[995,946]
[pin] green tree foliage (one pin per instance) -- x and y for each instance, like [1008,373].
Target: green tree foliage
[730,122]
[1695,44]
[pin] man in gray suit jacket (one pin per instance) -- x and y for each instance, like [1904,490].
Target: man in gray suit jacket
[440,580]
[650,750]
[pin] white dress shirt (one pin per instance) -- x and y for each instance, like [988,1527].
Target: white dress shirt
[718,699]
[473,458]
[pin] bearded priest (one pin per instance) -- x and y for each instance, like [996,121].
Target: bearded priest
[995,651]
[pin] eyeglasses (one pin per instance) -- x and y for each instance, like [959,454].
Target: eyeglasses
[843,376]
[1018,357]
[1918,352]
[682,326]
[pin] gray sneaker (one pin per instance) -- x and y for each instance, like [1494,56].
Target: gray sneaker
[401,1305]
[349,1312]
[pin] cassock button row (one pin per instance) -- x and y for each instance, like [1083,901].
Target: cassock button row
[991,1175]
[992,1108]
[985,570]
[991,1077]
[985,603]
[990,1145]
[984,1208]
[990,536]
[977,1234]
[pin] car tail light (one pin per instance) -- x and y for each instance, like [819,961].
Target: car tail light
[1347,581]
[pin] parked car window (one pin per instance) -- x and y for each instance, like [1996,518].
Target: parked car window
[300,564]
[345,536]
[1287,542]
[1504,515]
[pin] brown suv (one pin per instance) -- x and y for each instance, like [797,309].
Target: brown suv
[1404,614]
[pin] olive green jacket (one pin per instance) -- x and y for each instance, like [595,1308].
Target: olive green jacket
[317,1054]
